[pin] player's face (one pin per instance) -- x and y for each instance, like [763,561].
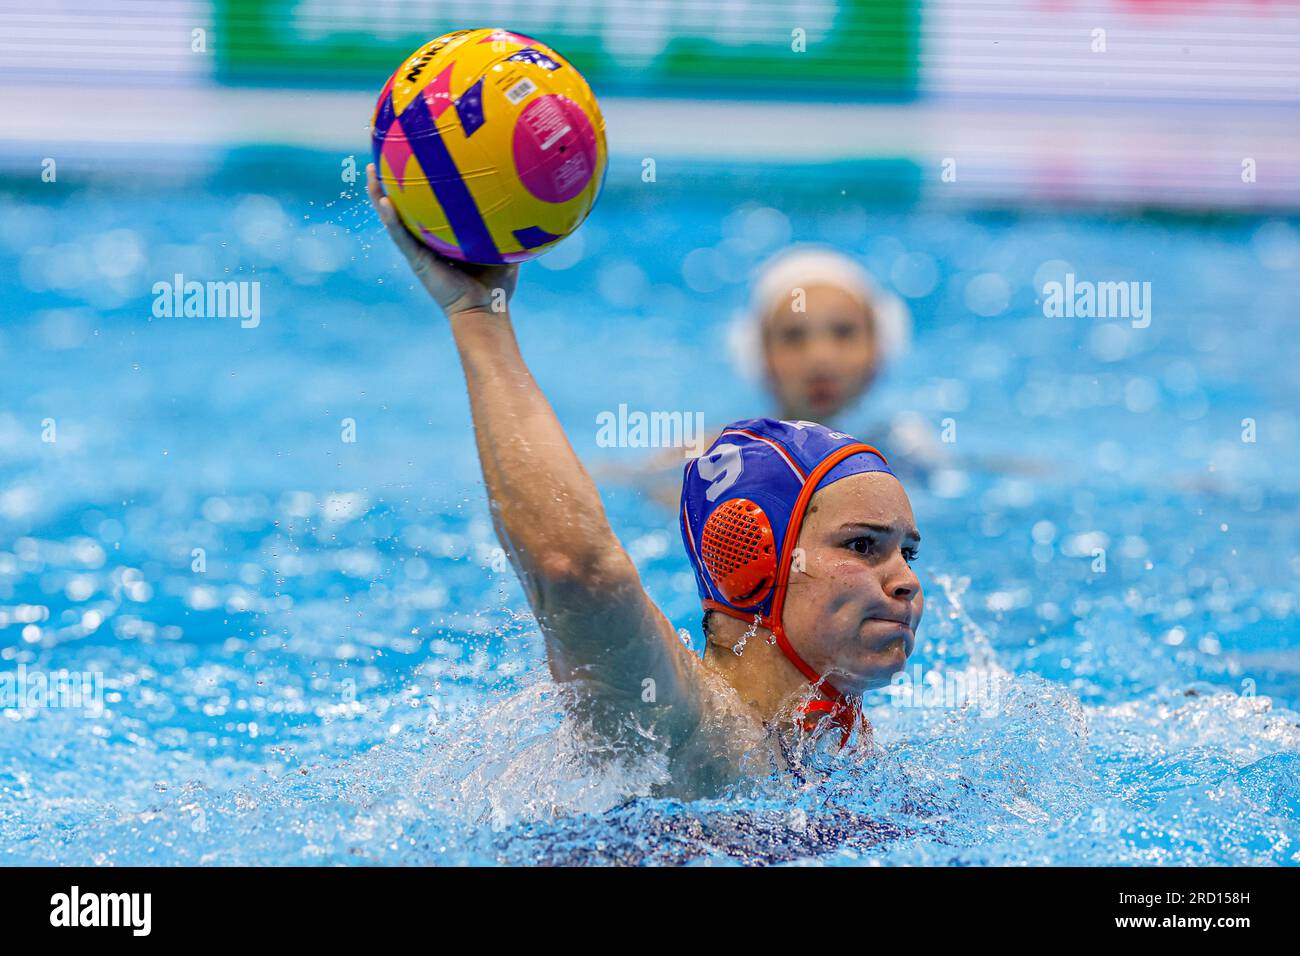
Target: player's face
[821,351]
[852,612]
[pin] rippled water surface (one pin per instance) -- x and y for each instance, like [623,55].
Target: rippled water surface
[311,652]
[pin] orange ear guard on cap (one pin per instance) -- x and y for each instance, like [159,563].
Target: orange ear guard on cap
[739,550]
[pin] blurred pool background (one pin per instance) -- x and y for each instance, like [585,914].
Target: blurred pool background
[309,649]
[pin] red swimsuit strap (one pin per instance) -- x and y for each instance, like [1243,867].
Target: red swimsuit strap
[842,714]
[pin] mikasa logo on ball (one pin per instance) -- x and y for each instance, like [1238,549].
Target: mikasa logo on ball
[423,60]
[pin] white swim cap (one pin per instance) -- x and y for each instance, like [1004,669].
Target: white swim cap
[809,264]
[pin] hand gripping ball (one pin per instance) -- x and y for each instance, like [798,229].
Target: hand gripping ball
[490,145]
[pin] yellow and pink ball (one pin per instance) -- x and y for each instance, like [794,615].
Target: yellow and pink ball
[490,145]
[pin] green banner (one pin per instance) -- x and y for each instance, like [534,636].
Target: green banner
[865,48]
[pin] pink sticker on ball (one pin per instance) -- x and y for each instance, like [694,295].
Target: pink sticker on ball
[555,148]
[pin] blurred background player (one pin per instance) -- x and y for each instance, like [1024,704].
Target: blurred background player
[817,332]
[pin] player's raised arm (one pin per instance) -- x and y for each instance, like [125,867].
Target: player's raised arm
[600,625]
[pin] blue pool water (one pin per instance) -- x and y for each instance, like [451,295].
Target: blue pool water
[354,677]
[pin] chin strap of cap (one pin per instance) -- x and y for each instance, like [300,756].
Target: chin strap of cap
[840,710]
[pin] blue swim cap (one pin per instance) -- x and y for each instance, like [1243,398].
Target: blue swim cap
[743,502]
